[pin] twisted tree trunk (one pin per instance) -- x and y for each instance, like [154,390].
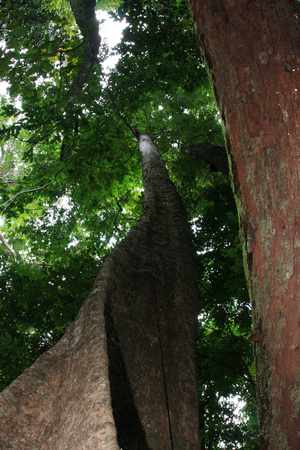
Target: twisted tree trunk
[123,375]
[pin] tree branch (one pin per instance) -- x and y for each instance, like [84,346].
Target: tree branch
[8,247]
[84,14]
[215,155]
[8,202]
[85,17]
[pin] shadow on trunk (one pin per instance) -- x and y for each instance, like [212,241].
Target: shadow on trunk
[131,435]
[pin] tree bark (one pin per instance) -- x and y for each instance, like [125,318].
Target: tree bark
[84,13]
[85,17]
[7,246]
[252,53]
[124,373]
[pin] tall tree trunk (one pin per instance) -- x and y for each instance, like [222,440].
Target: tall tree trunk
[252,54]
[124,372]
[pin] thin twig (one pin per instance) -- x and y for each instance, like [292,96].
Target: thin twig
[9,201]
[124,162]
[114,104]
[238,354]
[224,364]
[120,210]
[118,112]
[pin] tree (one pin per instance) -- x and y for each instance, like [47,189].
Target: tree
[142,311]
[251,53]
[99,173]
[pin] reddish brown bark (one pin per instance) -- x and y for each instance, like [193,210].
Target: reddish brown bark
[252,52]
[132,345]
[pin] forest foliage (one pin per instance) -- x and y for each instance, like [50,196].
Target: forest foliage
[71,188]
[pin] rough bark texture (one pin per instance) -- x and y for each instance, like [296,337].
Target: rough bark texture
[63,400]
[252,54]
[137,329]
[152,319]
